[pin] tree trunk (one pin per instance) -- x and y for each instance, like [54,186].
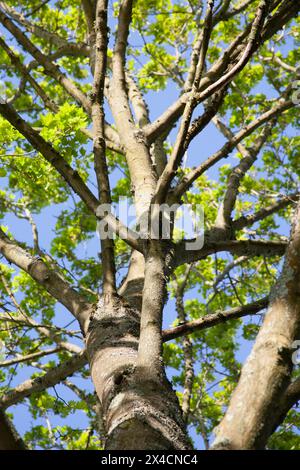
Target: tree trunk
[138,413]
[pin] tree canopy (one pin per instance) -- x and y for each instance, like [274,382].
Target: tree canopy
[159,101]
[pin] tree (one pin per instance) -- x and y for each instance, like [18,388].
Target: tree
[78,85]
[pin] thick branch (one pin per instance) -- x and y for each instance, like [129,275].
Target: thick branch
[290,398]
[118,82]
[142,175]
[250,417]
[90,13]
[9,438]
[138,102]
[253,42]
[100,163]
[149,360]
[52,156]
[71,176]
[235,247]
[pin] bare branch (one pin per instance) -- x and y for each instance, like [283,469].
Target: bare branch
[99,148]
[290,398]
[246,221]
[252,44]
[287,10]
[71,176]
[90,13]
[25,72]
[224,152]
[235,247]
[52,377]
[118,82]
[215,319]
[227,270]
[73,48]
[169,172]
[243,6]
[52,69]
[29,357]
[224,220]
[53,282]
[202,121]
[138,102]
[187,346]
[142,174]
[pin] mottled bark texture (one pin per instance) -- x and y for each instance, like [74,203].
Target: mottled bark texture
[256,403]
[138,412]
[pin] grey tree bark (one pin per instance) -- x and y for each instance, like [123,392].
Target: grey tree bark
[257,401]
